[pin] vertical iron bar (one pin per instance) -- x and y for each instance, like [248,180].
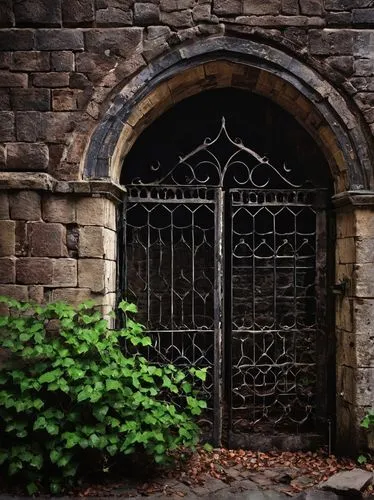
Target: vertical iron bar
[323,346]
[148,272]
[254,306]
[121,256]
[229,327]
[172,273]
[193,268]
[219,317]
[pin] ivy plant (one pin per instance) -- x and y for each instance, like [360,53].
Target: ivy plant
[68,392]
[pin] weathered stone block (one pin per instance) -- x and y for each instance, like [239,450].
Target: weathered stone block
[110,244]
[363,45]
[91,242]
[34,271]
[64,273]
[346,348]
[97,242]
[52,39]
[16,39]
[364,219]
[330,42]
[172,5]
[28,126]
[42,12]
[47,239]
[311,7]
[25,205]
[260,8]
[30,99]
[110,276]
[338,19]
[350,482]
[202,13]
[342,4]
[363,67]
[363,16]
[91,274]
[146,14]
[364,349]
[364,250]
[6,14]
[8,79]
[5,99]
[346,250]
[96,212]
[290,7]
[18,292]
[5,60]
[27,156]
[344,64]
[115,4]
[78,12]
[79,81]
[73,296]
[55,79]
[114,17]
[4,206]
[177,19]
[30,61]
[363,278]
[36,293]
[7,238]
[2,158]
[346,383]
[62,61]
[57,126]
[58,209]
[7,126]
[7,270]
[344,314]
[365,387]
[22,246]
[345,225]
[65,99]
[118,41]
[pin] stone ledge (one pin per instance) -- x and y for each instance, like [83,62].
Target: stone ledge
[355,198]
[45,182]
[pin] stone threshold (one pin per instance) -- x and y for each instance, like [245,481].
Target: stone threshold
[39,181]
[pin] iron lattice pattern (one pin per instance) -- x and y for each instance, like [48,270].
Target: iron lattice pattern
[171,276]
[249,313]
[273,310]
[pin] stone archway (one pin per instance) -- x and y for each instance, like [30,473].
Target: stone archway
[325,114]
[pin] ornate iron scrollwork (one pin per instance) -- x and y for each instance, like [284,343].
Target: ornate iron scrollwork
[243,166]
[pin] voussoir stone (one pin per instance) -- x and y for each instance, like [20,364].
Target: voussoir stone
[350,482]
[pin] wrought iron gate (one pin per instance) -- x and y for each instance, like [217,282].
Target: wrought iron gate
[225,257]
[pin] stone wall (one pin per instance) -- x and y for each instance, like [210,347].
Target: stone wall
[61,61]
[58,245]
[63,66]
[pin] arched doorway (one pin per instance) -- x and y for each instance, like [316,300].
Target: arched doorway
[225,252]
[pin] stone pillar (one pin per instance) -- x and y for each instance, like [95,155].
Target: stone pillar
[354,317]
[58,240]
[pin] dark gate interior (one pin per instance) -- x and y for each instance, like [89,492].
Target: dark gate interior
[225,255]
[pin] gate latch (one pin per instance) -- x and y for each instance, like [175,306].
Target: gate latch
[341,287]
